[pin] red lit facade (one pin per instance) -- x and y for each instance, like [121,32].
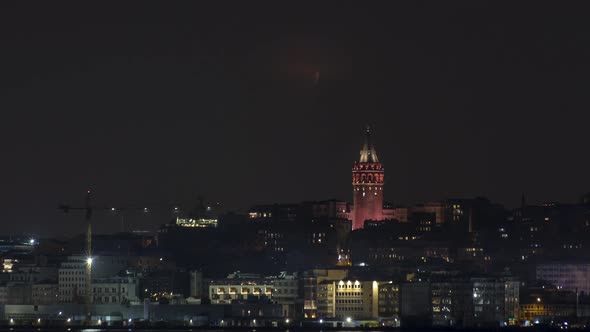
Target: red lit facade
[367,184]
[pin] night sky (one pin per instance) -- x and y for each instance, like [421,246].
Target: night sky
[247,103]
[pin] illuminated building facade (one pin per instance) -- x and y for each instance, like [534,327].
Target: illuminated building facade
[312,281]
[283,290]
[197,222]
[546,303]
[348,299]
[367,183]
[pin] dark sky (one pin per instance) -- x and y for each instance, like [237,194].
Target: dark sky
[154,104]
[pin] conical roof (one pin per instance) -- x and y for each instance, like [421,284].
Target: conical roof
[368,153]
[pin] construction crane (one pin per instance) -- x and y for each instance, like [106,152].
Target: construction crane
[88,208]
[88,254]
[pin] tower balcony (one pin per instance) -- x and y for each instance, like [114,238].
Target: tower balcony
[358,166]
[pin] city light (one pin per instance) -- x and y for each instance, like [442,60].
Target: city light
[129,263]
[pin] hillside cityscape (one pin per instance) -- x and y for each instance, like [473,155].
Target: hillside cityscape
[452,263]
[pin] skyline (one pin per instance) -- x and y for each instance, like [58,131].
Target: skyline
[254,105]
[163,212]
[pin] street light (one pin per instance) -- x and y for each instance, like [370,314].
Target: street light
[348,319]
[89,260]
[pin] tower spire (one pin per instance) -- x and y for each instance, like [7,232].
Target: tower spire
[368,153]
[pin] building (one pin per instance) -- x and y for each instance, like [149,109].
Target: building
[348,299]
[448,302]
[244,288]
[16,293]
[72,274]
[18,244]
[120,315]
[202,216]
[30,273]
[472,215]
[547,303]
[312,281]
[197,222]
[415,304]
[567,276]
[122,290]
[275,213]
[3,294]
[157,285]
[197,287]
[45,293]
[388,304]
[495,302]
[367,184]
[287,294]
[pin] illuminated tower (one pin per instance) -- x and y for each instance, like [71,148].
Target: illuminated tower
[367,184]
